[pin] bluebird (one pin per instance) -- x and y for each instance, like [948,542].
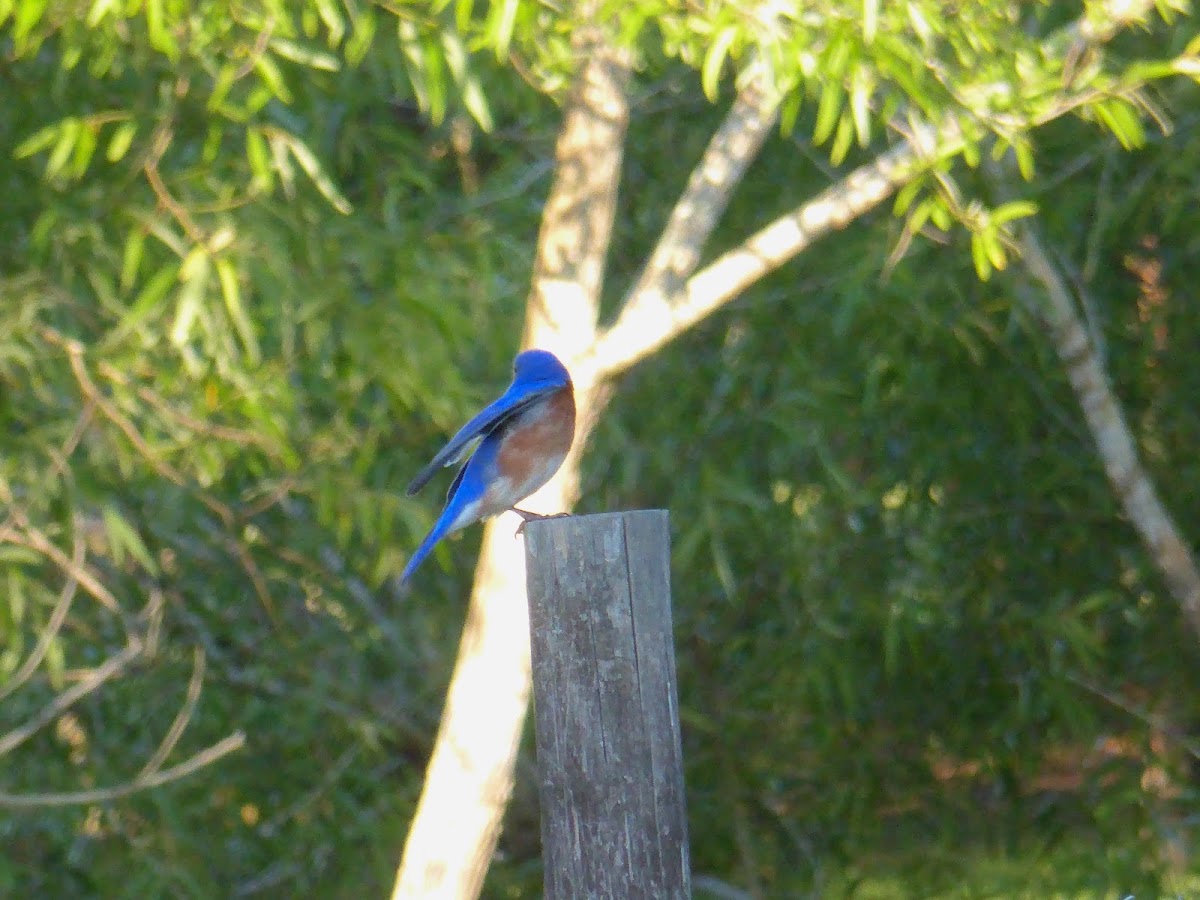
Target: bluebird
[511,448]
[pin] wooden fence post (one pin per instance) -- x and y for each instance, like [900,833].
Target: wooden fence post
[614,822]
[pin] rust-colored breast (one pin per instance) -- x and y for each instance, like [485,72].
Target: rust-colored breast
[535,447]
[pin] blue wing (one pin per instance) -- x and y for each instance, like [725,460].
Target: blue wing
[511,402]
[469,485]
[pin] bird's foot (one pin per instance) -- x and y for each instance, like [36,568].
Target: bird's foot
[527,517]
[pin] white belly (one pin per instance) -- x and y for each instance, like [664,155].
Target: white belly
[504,493]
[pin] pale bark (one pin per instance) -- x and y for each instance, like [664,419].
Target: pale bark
[1115,444]
[652,319]
[730,151]
[470,775]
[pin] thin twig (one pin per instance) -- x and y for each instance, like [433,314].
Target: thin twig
[111,667]
[275,496]
[57,616]
[256,52]
[1157,722]
[182,718]
[35,539]
[67,450]
[91,392]
[243,555]
[161,141]
[235,741]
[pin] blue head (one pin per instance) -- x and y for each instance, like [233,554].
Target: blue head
[539,367]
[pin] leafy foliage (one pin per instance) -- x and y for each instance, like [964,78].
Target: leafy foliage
[911,619]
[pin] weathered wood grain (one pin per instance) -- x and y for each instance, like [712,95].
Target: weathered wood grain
[613,813]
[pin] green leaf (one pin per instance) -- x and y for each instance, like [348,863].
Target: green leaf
[1138,73]
[1023,150]
[861,89]
[842,141]
[473,97]
[1017,209]
[503,18]
[305,56]
[122,138]
[29,13]
[418,50]
[191,298]
[122,538]
[870,20]
[1122,120]
[970,152]
[71,55]
[194,264]
[227,275]
[994,249]
[17,602]
[131,258]
[356,47]
[714,61]
[148,300]
[161,229]
[55,662]
[161,38]
[940,216]
[838,55]
[269,72]
[11,554]
[258,155]
[921,25]
[828,110]
[100,9]
[1187,64]
[789,111]
[462,13]
[983,266]
[920,214]
[434,80]
[312,168]
[213,140]
[335,23]
[38,141]
[223,83]
[281,161]
[68,133]
[477,105]
[85,148]
[906,195]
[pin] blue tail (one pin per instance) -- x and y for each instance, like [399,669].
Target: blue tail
[462,503]
[440,529]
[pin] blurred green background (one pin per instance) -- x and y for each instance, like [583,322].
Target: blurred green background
[258,259]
